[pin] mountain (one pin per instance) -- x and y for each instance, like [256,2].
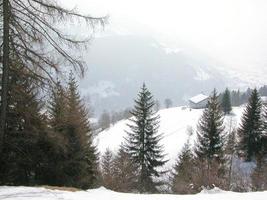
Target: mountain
[118,65]
[174,125]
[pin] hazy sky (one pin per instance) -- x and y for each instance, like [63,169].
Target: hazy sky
[232,31]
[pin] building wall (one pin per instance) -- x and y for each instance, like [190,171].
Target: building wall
[202,104]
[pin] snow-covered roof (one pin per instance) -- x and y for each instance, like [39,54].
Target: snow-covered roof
[198,98]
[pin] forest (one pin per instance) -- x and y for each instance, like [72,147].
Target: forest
[47,138]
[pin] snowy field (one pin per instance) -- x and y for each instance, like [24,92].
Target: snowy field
[28,193]
[174,125]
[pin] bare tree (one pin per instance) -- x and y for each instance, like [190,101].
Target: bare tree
[29,35]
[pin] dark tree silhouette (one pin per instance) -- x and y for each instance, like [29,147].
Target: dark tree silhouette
[30,36]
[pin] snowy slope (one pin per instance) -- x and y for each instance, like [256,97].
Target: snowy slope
[28,193]
[174,123]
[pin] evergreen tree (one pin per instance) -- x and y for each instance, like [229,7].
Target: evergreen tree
[250,132]
[26,130]
[82,155]
[226,102]
[230,152]
[259,175]
[210,141]
[124,172]
[30,34]
[143,140]
[107,170]
[58,108]
[183,172]
[58,127]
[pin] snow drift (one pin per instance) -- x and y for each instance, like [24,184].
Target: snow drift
[30,193]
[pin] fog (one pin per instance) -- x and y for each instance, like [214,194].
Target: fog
[224,41]
[232,31]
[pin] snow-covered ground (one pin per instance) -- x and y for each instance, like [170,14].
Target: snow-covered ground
[174,125]
[30,193]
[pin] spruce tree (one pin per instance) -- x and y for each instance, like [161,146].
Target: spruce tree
[230,151]
[210,141]
[58,127]
[183,172]
[107,169]
[124,172]
[26,130]
[250,131]
[81,165]
[259,175]
[226,102]
[142,142]
[58,108]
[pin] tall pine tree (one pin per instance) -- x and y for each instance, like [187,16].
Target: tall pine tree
[143,140]
[250,132]
[23,156]
[210,142]
[82,155]
[58,110]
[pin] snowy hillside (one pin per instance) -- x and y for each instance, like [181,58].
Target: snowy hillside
[174,126]
[23,193]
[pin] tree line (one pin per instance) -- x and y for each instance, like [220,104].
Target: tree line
[45,135]
[212,161]
[47,144]
[238,97]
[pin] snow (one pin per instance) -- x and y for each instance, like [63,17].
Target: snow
[201,74]
[174,125]
[33,193]
[198,98]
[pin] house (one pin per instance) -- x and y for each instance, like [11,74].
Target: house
[198,101]
[264,100]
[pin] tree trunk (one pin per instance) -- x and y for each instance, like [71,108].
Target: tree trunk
[5,71]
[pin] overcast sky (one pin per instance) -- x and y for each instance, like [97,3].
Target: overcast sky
[232,31]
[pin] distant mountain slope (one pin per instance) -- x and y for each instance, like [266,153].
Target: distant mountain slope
[118,65]
[174,124]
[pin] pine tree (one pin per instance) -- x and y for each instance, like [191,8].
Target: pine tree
[230,151]
[58,124]
[210,141]
[81,160]
[259,175]
[226,102]
[250,131]
[124,172]
[58,108]
[26,130]
[107,169]
[183,172]
[143,140]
